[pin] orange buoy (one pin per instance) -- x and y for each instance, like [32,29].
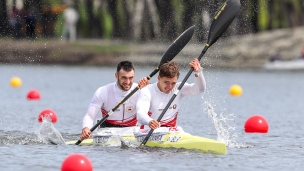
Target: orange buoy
[76,162]
[256,124]
[33,95]
[49,114]
[16,82]
[236,90]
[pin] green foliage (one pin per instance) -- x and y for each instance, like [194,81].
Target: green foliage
[83,15]
[121,14]
[297,4]
[178,8]
[59,26]
[107,24]
[272,14]
[52,2]
[280,20]
[263,17]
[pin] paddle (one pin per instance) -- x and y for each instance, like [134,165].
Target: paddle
[220,23]
[170,53]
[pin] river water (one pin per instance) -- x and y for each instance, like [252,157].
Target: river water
[277,96]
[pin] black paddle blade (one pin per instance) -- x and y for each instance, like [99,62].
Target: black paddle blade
[223,19]
[177,45]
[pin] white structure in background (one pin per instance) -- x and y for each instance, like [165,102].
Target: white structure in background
[71,17]
[297,64]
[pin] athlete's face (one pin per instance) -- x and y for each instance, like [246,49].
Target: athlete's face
[125,79]
[166,84]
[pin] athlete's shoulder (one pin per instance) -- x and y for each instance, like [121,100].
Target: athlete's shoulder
[105,88]
[134,85]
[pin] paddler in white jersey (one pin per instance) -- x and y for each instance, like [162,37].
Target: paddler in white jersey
[154,97]
[108,96]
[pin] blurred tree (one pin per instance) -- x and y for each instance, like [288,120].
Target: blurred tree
[271,14]
[128,9]
[157,19]
[289,8]
[4,24]
[143,19]
[254,13]
[94,21]
[168,26]
[189,12]
[112,5]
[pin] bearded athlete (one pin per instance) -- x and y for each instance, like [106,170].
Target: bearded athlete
[154,97]
[108,96]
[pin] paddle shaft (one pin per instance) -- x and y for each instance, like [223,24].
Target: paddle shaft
[174,95]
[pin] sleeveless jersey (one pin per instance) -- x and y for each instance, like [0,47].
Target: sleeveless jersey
[151,101]
[105,99]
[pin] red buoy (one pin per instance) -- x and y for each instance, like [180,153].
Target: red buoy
[33,95]
[76,162]
[256,124]
[48,114]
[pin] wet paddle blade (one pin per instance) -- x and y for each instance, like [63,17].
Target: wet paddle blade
[223,19]
[178,44]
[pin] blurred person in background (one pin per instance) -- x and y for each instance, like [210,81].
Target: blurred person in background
[30,18]
[302,54]
[71,17]
[15,22]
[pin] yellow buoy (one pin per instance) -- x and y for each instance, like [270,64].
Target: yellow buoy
[235,90]
[16,82]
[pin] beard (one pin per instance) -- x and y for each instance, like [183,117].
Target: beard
[124,86]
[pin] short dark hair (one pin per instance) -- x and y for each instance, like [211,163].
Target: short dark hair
[169,70]
[125,65]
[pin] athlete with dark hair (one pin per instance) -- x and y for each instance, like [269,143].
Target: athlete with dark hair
[108,96]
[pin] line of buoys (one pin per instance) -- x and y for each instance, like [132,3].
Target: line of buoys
[255,123]
[47,114]
[35,95]
[76,162]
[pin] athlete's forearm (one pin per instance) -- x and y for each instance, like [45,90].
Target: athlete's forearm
[195,88]
[199,81]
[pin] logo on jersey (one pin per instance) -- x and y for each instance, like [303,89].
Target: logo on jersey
[129,108]
[174,106]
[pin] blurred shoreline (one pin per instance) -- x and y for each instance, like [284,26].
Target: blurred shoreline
[239,52]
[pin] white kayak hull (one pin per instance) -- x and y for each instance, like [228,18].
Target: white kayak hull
[168,140]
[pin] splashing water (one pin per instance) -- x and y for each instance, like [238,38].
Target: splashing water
[48,133]
[224,127]
[126,143]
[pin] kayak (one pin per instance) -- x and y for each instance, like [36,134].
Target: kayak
[114,137]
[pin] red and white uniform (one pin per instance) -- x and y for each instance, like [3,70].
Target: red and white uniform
[151,101]
[105,99]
